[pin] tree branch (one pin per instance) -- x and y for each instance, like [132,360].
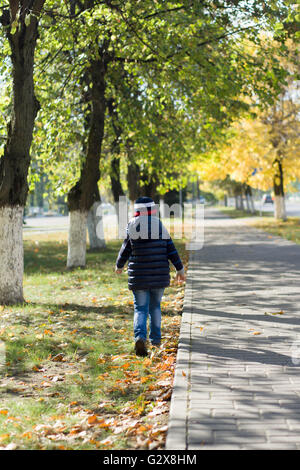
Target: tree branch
[159,12]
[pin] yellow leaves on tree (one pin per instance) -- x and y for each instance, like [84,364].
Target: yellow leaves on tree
[257,146]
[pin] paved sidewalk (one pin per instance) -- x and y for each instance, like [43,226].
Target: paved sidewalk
[237,380]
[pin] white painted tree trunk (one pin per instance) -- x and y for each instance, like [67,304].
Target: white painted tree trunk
[122,217]
[162,208]
[11,255]
[118,207]
[95,227]
[131,212]
[279,207]
[121,221]
[252,208]
[77,239]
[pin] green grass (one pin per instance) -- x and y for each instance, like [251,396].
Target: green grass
[71,376]
[236,213]
[290,229]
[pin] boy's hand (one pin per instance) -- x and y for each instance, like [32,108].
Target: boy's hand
[118,270]
[180,277]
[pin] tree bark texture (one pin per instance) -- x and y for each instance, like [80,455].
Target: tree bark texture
[278,186]
[22,33]
[82,196]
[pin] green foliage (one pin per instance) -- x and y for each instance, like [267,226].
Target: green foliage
[179,73]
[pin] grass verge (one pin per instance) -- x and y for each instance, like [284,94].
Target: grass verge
[236,213]
[290,229]
[70,379]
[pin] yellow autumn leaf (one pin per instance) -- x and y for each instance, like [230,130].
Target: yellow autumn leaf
[281,312]
[93,419]
[146,379]
[48,332]
[103,424]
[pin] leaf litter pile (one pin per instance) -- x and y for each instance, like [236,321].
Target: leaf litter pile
[70,378]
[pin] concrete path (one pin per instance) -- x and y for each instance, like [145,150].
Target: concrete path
[237,380]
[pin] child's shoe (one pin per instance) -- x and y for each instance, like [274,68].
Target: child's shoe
[140,347]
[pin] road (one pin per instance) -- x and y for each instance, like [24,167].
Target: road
[292,208]
[56,224]
[60,224]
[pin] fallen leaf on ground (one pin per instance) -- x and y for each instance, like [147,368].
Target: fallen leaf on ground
[93,419]
[157,431]
[11,446]
[281,312]
[58,358]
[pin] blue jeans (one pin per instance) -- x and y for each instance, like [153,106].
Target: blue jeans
[147,302]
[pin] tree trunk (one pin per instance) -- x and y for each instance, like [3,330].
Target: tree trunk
[95,224]
[241,202]
[162,207]
[14,163]
[77,239]
[249,199]
[279,203]
[149,187]
[238,195]
[82,196]
[116,185]
[133,182]
[95,227]
[11,255]
[115,173]
[279,207]
[239,205]
[131,211]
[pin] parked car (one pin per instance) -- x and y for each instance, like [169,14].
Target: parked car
[267,199]
[202,200]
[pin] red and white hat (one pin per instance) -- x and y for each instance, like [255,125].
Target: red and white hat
[144,206]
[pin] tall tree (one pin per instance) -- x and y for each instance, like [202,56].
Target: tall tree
[186,56]
[81,195]
[115,151]
[263,151]
[20,21]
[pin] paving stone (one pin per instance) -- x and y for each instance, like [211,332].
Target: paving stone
[241,389]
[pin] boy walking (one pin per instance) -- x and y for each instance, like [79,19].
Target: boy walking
[148,248]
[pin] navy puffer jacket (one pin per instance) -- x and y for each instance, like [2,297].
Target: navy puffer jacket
[148,248]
